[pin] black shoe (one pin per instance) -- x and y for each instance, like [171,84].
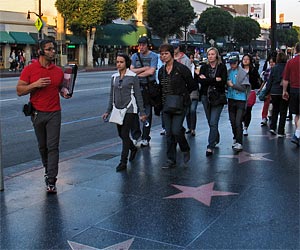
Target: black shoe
[133,154]
[186,156]
[121,167]
[188,132]
[209,152]
[169,164]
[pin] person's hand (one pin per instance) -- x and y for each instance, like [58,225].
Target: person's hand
[218,79]
[143,118]
[229,83]
[64,92]
[43,82]
[285,95]
[105,116]
[202,76]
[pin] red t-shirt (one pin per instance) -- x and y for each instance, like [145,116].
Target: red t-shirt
[291,72]
[44,99]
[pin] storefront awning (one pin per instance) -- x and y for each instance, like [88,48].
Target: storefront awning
[22,38]
[76,39]
[5,37]
[119,34]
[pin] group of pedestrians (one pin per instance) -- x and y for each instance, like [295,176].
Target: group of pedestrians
[17,60]
[181,87]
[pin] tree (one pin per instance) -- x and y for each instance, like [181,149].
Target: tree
[84,16]
[215,22]
[287,37]
[245,29]
[167,17]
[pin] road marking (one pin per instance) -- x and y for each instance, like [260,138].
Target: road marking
[6,100]
[71,122]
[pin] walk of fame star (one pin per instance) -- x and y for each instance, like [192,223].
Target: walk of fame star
[120,246]
[245,156]
[202,193]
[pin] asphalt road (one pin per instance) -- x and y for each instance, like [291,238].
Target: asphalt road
[81,118]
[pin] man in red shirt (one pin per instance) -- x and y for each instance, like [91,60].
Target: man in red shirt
[43,81]
[291,77]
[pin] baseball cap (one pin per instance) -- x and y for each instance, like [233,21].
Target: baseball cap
[175,43]
[233,59]
[143,39]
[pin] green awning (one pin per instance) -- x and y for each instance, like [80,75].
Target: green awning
[6,38]
[118,34]
[76,39]
[22,38]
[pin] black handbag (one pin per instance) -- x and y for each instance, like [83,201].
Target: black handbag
[173,104]
[214,97]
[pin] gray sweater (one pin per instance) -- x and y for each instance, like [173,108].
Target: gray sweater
[122,93]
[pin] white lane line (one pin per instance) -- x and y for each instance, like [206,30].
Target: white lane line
[71,122]
[6,100]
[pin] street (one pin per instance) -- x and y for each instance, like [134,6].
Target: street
[81,118]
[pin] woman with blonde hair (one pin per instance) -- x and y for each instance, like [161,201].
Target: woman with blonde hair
[213,74]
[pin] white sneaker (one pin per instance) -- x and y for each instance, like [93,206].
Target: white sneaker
[264,122]
[163,132]
[144,143]
[245,132]
[137,142]
[238,147]
[233,143]
[273,132]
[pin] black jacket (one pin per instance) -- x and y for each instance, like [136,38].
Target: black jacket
[221,72]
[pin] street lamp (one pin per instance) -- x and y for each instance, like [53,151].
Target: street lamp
[39,16]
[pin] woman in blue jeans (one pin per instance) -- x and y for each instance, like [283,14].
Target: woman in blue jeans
[214,73]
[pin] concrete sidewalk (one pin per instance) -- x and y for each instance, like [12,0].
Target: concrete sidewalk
[248,200]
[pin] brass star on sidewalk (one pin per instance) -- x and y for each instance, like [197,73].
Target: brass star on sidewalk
[202,193]
[245,156]
[120,246]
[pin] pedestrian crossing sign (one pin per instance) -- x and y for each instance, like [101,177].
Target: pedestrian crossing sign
[38,24]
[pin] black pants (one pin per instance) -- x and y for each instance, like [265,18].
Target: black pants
[236,111]
[280,107]
[124,131]
[47,129]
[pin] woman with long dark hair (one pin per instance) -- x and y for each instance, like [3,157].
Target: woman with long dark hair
[125,88]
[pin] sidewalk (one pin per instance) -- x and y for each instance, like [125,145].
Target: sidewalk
[4,73]
[239,201]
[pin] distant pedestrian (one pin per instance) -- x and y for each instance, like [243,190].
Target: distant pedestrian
[43,81]
[125,88]
[255,82]
[274,87]
[291,78]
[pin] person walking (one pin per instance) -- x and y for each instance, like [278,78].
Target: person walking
[291,78]
[43,80]
[125,88]
[274,87]
[254,79]
[144,64]
[213,73]
[266,106]
[238,86]
[177,82]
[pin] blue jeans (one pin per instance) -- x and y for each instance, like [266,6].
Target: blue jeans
[213,116]
[175,133]
[191,115]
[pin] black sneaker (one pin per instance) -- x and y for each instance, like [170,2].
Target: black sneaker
[169,164]
[51,189]
[121,167]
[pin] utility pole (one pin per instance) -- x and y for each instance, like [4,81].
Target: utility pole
[273,25]
[39,22]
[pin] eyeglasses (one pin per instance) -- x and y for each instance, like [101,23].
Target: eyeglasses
[120,84]
[50,49]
